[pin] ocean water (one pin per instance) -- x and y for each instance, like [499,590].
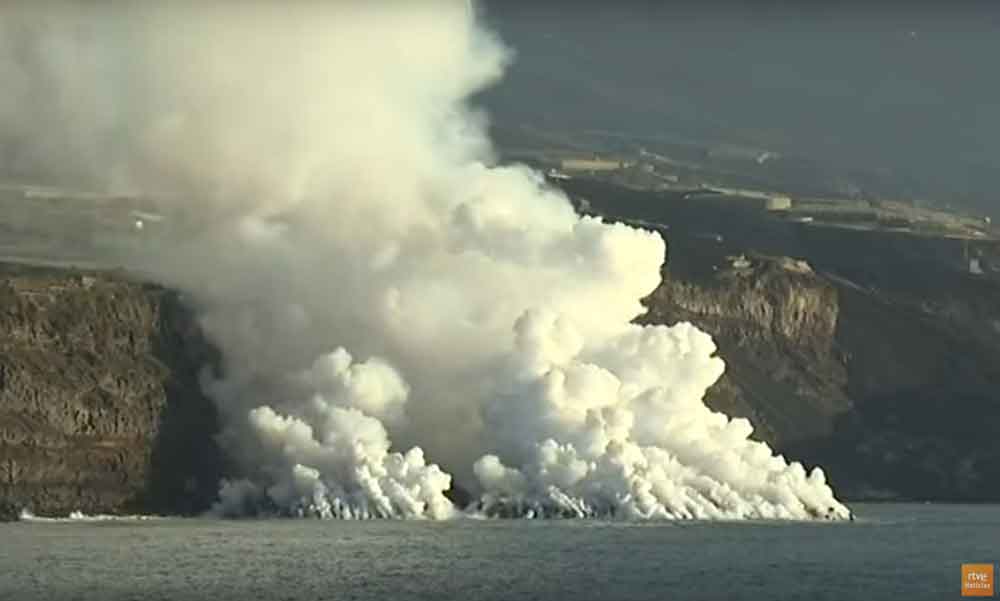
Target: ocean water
[892,551]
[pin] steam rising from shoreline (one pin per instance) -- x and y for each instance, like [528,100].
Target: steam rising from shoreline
[396,313]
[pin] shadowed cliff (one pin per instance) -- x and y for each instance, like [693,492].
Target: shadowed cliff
[100,408]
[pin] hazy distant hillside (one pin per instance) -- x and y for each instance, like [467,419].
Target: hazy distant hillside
[912,94]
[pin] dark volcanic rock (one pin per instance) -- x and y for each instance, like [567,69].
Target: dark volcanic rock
[893,398]
[774,322]
[8,512]
[100,407]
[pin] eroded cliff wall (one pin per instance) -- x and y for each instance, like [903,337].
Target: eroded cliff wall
[892,390]
[100,407]
[775,323]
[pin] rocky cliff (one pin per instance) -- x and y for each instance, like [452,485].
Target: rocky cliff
[100,407]
[775,323]
[893,391]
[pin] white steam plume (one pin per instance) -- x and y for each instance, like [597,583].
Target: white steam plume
[375,283]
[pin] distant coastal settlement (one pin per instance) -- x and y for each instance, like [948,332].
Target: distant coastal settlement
[728,179]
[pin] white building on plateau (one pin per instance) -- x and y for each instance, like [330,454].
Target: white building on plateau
[141,218]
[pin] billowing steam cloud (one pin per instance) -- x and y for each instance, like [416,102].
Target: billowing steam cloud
[387,300]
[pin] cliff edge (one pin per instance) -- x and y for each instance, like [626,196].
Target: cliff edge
[100,407]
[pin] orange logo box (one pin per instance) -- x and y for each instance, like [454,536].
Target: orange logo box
[977,580]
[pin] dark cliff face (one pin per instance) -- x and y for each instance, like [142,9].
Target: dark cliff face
[774,322]
[926,421]
[100,407]
[892,398]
